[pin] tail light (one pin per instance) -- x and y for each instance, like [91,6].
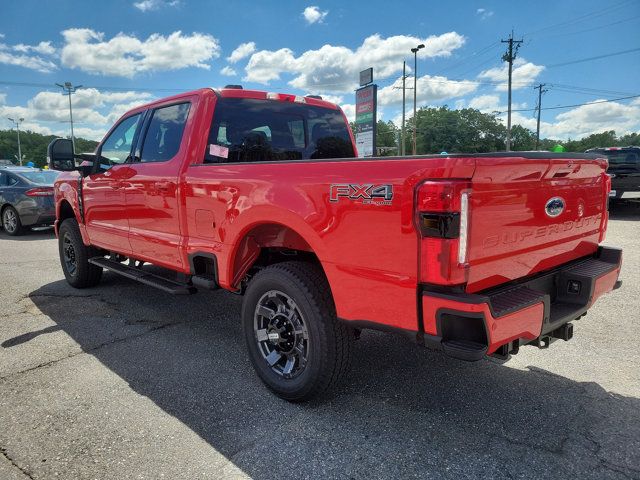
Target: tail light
[443,222]
[40,192]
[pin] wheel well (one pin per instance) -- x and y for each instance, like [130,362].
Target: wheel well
[267,244]
[4,207]
[66,211]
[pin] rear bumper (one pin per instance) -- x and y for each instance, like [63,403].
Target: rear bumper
[38,218]
[534,310]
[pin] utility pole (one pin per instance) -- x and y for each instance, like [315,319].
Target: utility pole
[415,90]
[68,89]
[510,56]
[404,81]
[541,90]
[17,124]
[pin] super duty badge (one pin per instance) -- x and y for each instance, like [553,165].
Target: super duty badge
[366,193]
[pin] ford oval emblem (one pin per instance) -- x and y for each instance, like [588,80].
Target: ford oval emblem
[554,207]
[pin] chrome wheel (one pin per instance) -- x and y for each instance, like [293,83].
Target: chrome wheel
[10,220]
[281,334]
[69,254]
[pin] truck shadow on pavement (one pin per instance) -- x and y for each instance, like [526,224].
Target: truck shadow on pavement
[403,411]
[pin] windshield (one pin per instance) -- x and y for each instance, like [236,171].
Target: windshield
[622,158]
[251,130]
[43,177]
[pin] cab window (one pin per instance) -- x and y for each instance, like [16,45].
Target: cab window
[117,147]
[164,135]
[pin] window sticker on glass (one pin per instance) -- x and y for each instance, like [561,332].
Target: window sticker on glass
[218,151]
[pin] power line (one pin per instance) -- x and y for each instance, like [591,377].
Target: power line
[597,57]
[581,18]
[571,106]
[599,27]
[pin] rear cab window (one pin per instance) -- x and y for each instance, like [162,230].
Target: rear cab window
[44,177]
[256,130]
[622,158]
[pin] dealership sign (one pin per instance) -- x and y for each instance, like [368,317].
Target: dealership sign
[366,107]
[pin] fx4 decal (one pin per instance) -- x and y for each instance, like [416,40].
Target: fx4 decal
[367,193]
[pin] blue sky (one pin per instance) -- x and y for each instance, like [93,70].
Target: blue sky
[126,52]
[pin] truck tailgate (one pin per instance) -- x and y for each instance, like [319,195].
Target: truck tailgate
[528,215]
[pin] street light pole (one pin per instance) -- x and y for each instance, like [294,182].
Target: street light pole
[415,94]
[17,124]
[68,89]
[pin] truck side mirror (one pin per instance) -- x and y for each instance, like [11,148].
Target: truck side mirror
[60,155]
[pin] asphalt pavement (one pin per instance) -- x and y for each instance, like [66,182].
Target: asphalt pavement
[124,381]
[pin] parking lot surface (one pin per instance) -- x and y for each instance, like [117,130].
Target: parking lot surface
[124,381]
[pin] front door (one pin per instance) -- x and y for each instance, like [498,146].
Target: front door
[103,191]
[152,188]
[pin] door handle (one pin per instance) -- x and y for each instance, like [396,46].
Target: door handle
[116,185]
[164,186]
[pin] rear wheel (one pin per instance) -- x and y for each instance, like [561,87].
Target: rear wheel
[75,255]
[296,344]
[11,222]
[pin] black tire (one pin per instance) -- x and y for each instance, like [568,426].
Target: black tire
[328,343]
[11,222]
[75,255]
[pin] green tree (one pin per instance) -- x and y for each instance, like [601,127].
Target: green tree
[629,140]
[387,138]
[456,131]
[522,139]
[34,146]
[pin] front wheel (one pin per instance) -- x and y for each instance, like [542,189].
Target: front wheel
[75,255]
[297,346]
[11,222]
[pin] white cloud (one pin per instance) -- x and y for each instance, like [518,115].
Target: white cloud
[228,71]
[93,111]
[523,75]
[3,98]
[429,89]
[43,48]
[313,14]
[575,123]
[337,99]
[485,103]
[483,13]
[335,68]
[126,55]
[242,51]
[349,110]
[24,57]
[148,5]
[593,118]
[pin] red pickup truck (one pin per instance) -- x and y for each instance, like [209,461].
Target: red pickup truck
[262,194]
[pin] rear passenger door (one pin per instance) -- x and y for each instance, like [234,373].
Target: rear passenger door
[153,208]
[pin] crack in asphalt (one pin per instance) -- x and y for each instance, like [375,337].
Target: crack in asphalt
[12,461]
[92,349]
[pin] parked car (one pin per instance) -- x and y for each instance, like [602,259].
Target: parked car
[624,168]
[261,194]
[26,198]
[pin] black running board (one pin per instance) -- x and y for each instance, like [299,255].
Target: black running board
[164,284]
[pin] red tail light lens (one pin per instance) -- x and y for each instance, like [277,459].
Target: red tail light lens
[442,220]
[40,192]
